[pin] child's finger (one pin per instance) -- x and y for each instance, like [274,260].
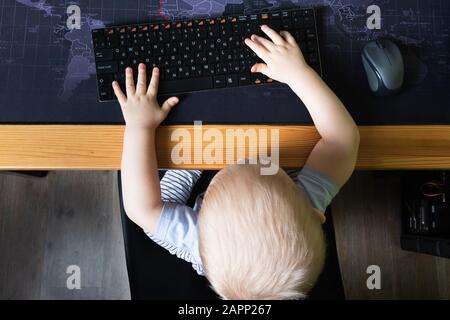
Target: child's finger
[259,67]
[154,83]
[272,34]
[141,87]
[121,97]
[257,48]
[169,104]
[263,41]
[129,82]
[288,36]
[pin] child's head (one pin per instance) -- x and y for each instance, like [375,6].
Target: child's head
[259,236]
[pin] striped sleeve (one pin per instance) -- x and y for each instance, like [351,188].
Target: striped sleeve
[176,185]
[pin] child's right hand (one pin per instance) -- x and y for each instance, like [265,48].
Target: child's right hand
[283,58]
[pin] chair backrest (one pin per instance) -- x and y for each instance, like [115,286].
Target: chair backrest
[156,274]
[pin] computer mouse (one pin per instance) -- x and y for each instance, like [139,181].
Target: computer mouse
[384,66]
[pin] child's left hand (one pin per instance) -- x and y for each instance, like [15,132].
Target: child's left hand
[139,106]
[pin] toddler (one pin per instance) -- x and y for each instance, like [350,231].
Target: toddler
[253,236]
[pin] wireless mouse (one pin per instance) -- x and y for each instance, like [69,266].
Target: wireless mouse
[384,67]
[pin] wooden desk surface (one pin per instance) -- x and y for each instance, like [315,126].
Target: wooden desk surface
[58,147]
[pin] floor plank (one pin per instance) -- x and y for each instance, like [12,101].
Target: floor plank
[23,227]
[67,218]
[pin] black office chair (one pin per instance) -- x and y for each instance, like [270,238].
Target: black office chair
[154,273]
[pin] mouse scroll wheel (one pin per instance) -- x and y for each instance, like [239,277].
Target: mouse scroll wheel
[380,44]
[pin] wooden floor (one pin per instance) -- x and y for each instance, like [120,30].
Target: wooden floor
[48,224]
[72,218]
[367,225]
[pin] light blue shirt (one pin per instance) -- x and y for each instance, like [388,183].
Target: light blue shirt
[177,230]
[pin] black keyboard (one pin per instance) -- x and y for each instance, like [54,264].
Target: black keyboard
[200,54]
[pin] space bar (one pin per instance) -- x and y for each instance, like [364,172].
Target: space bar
[185,85]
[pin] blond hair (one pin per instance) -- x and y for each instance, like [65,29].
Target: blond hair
[259,236]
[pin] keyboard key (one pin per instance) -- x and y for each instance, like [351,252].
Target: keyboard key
[297,22]
[244,79]
[232,80]
[105,93]
[312,46]
[275,15]
[104,55]
[97,33]
[313,59]
[308,21]
[275,25]
[257,78]
[105,79]
[286,23]
[310,34]
[106,67]
[220,82]
[299,35]
[185,85]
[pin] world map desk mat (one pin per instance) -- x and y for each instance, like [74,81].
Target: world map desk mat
[47,70]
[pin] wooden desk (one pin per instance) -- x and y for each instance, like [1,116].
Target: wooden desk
[99,147]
